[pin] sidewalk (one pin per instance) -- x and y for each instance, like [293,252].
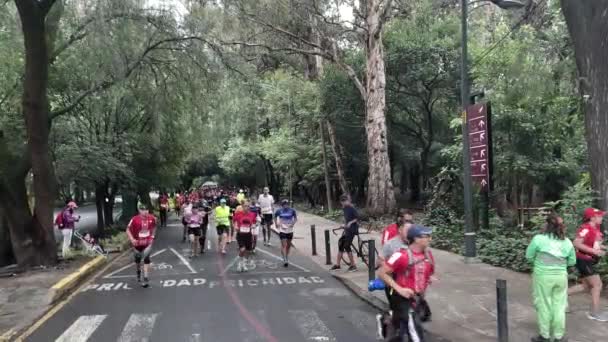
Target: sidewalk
[464,299]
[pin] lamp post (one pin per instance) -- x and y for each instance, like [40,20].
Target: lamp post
[469,230]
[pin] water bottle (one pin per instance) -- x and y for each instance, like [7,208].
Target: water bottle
[376,284]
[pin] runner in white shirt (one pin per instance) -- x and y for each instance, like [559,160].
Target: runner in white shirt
[186,213]
[266,201]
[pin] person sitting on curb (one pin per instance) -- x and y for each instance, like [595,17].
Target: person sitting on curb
[408,273]
[551,253]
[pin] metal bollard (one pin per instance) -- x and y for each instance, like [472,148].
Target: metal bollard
[371,259]
[313,236]
[501,310]
[327,248]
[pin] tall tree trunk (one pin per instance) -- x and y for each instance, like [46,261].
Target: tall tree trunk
[325,166]
[335,148]
[37,122]
[99,199]
[586,22]
[380,192]
[108,205]
[7,256]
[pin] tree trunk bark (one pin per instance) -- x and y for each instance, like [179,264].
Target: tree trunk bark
[99,199]
[586,22]
[335,148]
[7,257]
[35,108]
[380,192]
[325,166]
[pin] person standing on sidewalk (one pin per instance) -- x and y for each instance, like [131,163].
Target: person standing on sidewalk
[351,228]
[589,250]
[551,253]
[69,219]
[286,218]
[266,201]
[408,273]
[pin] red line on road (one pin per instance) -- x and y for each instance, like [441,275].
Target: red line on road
[234,297]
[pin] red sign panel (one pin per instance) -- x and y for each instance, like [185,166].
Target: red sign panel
[479,147]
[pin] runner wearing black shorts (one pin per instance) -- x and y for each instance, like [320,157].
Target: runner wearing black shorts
[286,219]
[244,221]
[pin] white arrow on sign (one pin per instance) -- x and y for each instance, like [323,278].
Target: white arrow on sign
[483,167]
[480,110]
[482,153]
[482,136]
[481,124]
[483,182]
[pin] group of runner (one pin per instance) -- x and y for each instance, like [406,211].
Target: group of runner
[236,217]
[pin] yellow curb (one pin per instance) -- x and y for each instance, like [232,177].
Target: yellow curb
[7,335]
[68,283]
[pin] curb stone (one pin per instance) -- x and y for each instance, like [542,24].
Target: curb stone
[73,280]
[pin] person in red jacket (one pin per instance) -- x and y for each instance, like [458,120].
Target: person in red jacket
[140,231]
[589,250]
[392,230]
[244,222]
[408,273]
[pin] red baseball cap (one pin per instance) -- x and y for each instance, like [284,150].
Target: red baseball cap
[590,213]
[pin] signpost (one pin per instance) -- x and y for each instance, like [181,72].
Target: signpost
[478,122]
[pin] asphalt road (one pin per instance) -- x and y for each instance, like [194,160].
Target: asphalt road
[204,299]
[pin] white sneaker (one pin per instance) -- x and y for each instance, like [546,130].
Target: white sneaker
[239,267]
[601,317]
[244,267]
[379,326]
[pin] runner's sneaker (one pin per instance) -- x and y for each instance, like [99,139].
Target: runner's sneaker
[379,326]
[352,268]
[244,267]
[224,251]
[145,284]
[335,267]
[597,317]
[239,266]
[268,243]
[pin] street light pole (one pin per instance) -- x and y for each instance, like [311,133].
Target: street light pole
[469,230]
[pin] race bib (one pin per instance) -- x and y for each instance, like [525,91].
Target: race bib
[245,229]
[143,234]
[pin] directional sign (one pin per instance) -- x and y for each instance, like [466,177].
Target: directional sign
[479,144]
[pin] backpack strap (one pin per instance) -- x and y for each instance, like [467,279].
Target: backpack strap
[411,262]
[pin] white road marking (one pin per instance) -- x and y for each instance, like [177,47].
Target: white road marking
[184,261]
[311,326]
[112,275]
[280,259]
[250,335]
[138,328]
[82,329]
[229,266]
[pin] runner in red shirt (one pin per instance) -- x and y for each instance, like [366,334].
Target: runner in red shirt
[244,222]
[408,273]
[392,230]
[589,250]
[140,231]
